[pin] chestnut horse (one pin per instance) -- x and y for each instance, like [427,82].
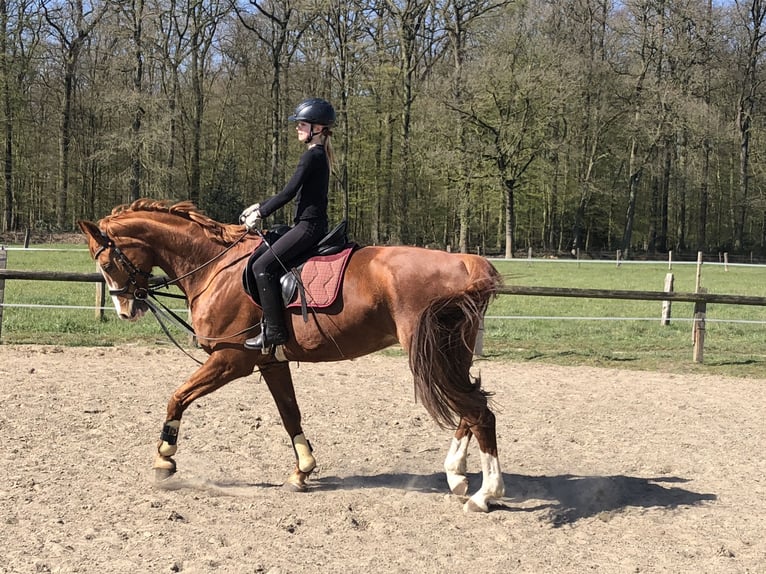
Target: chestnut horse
[430,302]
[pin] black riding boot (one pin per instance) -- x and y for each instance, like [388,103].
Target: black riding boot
[273,330]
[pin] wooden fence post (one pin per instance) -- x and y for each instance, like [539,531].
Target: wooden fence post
[3,262]
[666,305]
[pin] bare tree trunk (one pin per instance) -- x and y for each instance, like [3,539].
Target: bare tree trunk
[704,197]
[138,112]
[7,222]
[410,17]
[633,181]
[681,226]
[664,193]
[740,209]
[64,142]
[745,108]
[281,16]
[198,107]
[510,217]
[71,35]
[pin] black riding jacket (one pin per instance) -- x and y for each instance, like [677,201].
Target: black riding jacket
[309,185]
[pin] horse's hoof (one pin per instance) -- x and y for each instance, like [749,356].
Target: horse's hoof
[472,506]
[162,474]
[294,487]
[457,486]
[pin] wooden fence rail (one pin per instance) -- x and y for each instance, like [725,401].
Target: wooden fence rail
[635,295]
[52,276]
[700,300]
[96,278]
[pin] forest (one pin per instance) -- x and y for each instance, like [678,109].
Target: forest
[489,126]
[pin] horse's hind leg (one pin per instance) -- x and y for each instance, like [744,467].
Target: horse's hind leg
[492,487]
[455,463]
[280,383]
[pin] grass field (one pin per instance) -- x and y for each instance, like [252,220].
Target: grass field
[617,333]
[734,342]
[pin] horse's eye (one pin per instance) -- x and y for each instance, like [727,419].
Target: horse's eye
[107,266]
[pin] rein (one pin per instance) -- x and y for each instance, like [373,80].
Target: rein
[149,294]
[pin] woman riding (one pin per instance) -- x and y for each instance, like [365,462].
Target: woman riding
[309,186]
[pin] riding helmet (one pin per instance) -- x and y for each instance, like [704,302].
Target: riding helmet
[314,111]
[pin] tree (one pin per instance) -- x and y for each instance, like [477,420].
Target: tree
[279,25]
[458,16]
[70,24]
[409,18]
[753,27]
[222,201]
[135,13]
[204,19]
[20,35]
[509,110]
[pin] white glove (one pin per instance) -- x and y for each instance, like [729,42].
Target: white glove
[248,211]
[253,221]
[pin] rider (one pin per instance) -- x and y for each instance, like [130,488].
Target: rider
[309,186]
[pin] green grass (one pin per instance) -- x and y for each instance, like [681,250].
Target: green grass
[735,349]
[730,348]
[73,327]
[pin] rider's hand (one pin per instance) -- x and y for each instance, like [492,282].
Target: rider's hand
[253,221]
[248,211]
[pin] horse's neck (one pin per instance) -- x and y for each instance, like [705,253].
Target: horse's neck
[180,249]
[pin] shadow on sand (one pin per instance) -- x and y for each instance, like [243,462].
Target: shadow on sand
[565,498]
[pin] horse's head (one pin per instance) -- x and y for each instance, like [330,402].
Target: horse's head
[126,271]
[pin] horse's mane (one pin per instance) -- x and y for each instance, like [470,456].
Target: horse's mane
[225,233]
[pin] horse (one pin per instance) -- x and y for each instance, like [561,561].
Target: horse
[430,302]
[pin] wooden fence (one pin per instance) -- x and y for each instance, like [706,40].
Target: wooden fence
[700,299]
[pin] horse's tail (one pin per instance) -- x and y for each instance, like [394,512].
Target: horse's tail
[441,349]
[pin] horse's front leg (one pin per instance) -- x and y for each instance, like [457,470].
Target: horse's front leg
[220,368]
[280,383]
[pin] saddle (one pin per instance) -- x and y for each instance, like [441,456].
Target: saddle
[316,275]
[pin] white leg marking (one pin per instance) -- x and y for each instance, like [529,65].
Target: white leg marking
[455,466]
[492,487]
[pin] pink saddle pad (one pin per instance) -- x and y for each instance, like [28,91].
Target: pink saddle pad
[322,276]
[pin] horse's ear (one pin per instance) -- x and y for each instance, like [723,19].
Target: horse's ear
[92,231]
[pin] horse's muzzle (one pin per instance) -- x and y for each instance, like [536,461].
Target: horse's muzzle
[131,309]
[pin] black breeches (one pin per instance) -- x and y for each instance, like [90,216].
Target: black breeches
[301,238]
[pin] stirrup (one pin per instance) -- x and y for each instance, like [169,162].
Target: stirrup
[257,344]
[278,350]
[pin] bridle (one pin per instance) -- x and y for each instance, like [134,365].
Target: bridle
[148,295]
[139,293]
